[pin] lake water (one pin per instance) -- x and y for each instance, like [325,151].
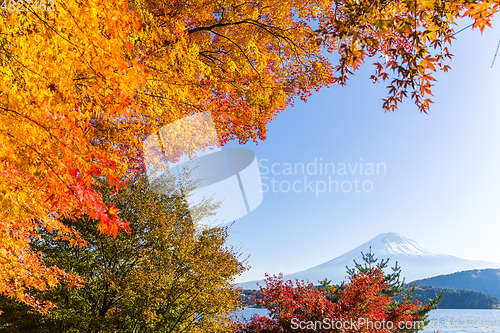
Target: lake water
[446,320]
[451,320]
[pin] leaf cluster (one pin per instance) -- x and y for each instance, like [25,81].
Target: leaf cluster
[165,275]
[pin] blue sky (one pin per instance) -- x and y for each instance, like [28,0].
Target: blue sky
[441,187]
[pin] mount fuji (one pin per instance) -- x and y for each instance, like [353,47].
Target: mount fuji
[416,262]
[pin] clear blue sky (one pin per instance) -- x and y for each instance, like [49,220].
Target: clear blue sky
[442,182]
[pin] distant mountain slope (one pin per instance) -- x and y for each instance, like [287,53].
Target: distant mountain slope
[457,298]
[416,261]
[485,280]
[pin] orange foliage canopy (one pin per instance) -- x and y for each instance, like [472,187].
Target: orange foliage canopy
[82,86]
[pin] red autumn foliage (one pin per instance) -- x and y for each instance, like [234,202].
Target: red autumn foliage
[364,304]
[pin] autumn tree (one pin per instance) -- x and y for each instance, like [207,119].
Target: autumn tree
[83,85]
[364,303]
[167,275]
[411,37]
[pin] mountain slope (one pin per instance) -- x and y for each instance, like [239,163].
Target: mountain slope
[484,280]
[456,298]
[416,261]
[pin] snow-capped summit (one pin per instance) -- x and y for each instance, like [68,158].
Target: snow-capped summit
[416,262]
[391,243]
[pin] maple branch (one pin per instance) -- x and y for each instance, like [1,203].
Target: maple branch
[50,27]
[212,58]
[40,125]
[187,307]
[244,54]
[256,23]
[44,161]
[216,25]
[9,56]
[78,26]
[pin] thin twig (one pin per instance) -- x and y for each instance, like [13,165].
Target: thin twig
[496,52]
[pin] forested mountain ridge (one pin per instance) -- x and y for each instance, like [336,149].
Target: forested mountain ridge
[483,280]
[457,298]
